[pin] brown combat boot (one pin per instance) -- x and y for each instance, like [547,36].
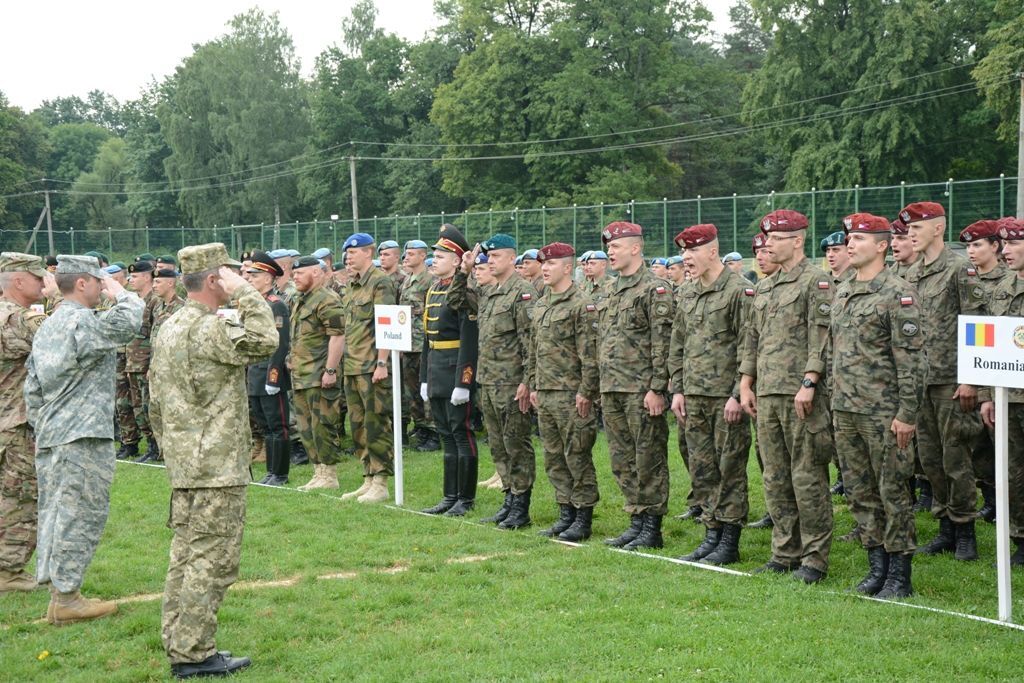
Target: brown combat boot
[328,478]
[258,452]
[16,581]
[67,608]
[317,476]
[378,491]
[367,483]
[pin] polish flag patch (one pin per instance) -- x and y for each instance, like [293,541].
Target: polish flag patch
[906,301]
[660,290]
[527,297]
[748,292]
[591,308]
[823,284]
[972,272]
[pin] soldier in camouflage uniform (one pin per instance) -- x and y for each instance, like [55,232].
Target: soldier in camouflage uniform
[704,358]
[531,270]
[285,286]
[834,248]
[563,353]
[317,326]
[388,253]
[22,278]
[781,369]
[878,368]
[137,360]
[367,380]
[165,286]
[768,268]
[70,405]
[681,270]
[597,282]
[201,417]
[634,330]
[948,425]
[413,293]
[504,371]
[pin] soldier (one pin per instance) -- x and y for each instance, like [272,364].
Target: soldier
[563,351]
[595,267]
[948,425]
[504,371]
[325,255]
[676,272]
[834,248]
[447,374]
[285,286]
[734,262]
[200,416]
[316,319]
[634,327]
[413,294]
[878,373]
[137,363]
[166,262]
[25,281]
[70,405]
[531,270]
[165,286]
[659,268]
[268,381]
[781,369]
[693,509]
[704,358]
[367,382]
[388,254]
[339,278]
[767,268]
[903,253]
[482,277]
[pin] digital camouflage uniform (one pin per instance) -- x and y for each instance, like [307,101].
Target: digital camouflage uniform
[788,323]
[563,359]
[704,358]
[414,294]
[136,368]
[983,455]
[369,403]
[878,366]
[201,419]
[163,311]
[316,316]
[947,287]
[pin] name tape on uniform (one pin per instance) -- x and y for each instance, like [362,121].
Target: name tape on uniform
[393,327]
[990,351]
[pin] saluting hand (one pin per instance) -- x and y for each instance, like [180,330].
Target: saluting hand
[50,288]
[111,287]
[469,258]
[229,280]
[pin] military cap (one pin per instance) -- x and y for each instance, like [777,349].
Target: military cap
[898,227]
[166,272]
[619,229]
[169,260]
[732,256]
[387,244]
[758,242]
[99,256]
[555,250]
[450,238]
[141,267]
[113,268]
[359,239]
[783,220]
[696,235]
[416,244]
[865,222]
[499,241]
[481,258]
[245,256]
[430,261]
[921,211]
[51,263]
[980,230]
[322,252]
[278,253]
[74,265]
[1006,220]
[596,255]
[583,257]
[376,263]
[530,255]
[1012,231]
[263,263]
[659,261]
[294,253]
[305,262]
[17,262]
[836,239]
[519,260]
[145,257]
[203,257]
[674,261]
[338,265]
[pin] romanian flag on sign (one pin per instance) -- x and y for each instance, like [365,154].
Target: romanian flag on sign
[981,334]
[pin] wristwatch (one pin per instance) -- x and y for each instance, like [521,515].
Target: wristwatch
[382,364]
[331,371]
[808,383]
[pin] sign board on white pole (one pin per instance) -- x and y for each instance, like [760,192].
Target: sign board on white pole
[393,330]
[990,352]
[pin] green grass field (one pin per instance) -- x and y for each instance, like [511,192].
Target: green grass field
[340,591]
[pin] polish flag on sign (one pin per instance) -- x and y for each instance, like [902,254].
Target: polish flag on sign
[383,320]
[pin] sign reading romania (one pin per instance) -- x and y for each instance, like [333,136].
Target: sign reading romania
[990,351]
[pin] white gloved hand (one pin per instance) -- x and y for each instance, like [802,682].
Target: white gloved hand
[271,391]
[423,392]
[460,396]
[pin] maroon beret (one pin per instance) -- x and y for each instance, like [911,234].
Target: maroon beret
[980,230]
[555,250]
[1012,229]
[784,220]
[898,227]
[618,229]
[696,235]
[1006,220]
[759,241]
[921,211]
[865,222]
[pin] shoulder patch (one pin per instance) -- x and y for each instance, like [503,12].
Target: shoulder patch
[972,271]
[748,292]
[823,284]
[273,297]
[909,329]
[279,321]
[660,290]
[527,297]
[824,308]
[906,301]
[591,308]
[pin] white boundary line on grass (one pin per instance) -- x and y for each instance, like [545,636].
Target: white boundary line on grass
[662,558]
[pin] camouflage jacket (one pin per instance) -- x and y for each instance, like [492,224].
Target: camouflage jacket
[414,294]
[707,336]
[163,311]
[901,269]
[138,351]
[315,316]
[847,275]
[200,415]
[993,277]
[373,288]
[633,333]
[788,324]
[877,348]
[69,390]
[398,278]
[17,328]
[948,287]
[505,329]
[563,346]
[597,289]
[1007,298]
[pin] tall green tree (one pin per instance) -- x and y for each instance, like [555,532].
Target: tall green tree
[1003,43]
[24,149]
[99,191]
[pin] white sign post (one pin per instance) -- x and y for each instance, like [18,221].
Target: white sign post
[990,352]
[393,329]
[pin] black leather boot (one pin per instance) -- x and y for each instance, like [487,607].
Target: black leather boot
[636,523]
[838,489]
[650,534]
[282,462]
[450,486]
[519,516]
[878,570]
[566,516]
[503,511]
[1017,558]
[299,454]
[711,538]
[765,522]
[924,501]
[128,451]
[945,542]
[988,509]
[152,452]
[216,664]
[728,549]
[268,446]
[467,487]
[897,581]
[429,442]
[580,529]
[966,542]
[693,512]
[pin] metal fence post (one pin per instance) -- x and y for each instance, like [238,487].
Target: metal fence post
[949,223]
[574,226]
[698,210]
[664,221]
[903,194]
[814,217]
[316,234]
[263,244]
[771,200]
[543,226]
[515,215]
[601,220]
[72,232]
[110,242]
[735,224]
[856,198]
[1002,195]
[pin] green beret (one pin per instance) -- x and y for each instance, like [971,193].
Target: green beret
[499,241]
[836,239]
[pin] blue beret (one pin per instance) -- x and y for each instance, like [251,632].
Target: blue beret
[278,253]
[322,252]
[416,244]
[387,244]
[673,260]
[429,261]
[376,262]
[480,258]
[499,241]
[359,239]
[596,255]
[584,257]
[732,256]
[659,261]
[113,269]
[836,239]
[530,254]
[294,252]
[519,260]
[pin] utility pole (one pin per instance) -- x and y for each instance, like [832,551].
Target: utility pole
[355,196]
[1020,150]
[49,220]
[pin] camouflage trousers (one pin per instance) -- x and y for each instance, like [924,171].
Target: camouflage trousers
[875,478]
[319,421]
[509,436]
[74,501]
[638,446]
[18,496]
[945,438]
[568,443]
[133,410]
[983,458]
[684,453]
[371,417]
[796,459]
[413,406]
[205,554]
[718,461]
[123,410]
[1015,468]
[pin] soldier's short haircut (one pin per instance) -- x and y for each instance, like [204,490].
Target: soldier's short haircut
[193,282]
[66,281]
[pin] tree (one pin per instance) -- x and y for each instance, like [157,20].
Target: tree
[23,151]
[98,107]
[73,149]
[1004,43]
[99,191]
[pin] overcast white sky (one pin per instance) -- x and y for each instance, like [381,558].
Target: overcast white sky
[63,48]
